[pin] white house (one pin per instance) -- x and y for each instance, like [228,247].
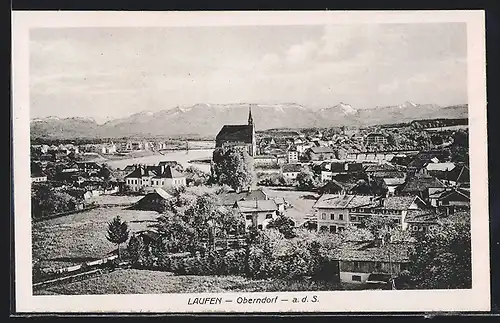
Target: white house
[150,177]
[257,213]
[290,171]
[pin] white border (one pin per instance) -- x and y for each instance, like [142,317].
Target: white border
[476,299]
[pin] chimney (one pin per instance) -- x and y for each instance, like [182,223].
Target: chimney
[256,203]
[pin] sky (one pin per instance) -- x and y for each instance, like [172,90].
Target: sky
[107,73]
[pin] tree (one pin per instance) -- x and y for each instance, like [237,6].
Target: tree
[195,176]
[441,259]
[378,225]
[193,216]
[232,167]
[284,225]
[306,180]
[118,232]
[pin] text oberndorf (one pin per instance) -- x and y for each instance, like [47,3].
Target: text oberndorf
[205,300]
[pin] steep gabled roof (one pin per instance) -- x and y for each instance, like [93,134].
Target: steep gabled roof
[257,206]
[291,168]
[241,133]
[421,183]
[322,150]
[171,172]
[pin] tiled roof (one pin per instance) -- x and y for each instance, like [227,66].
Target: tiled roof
[242,133]
[321,150]
[388,174]
[440,166]
[398,202]
[380,167]
[257,206]
[421,216]
[154,171]
[291,168]
[365,251]
[394,181]
[336,201]
[421,183]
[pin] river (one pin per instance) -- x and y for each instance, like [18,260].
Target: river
[182,157]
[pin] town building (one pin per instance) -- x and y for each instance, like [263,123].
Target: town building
[153,201]
[265,160]
[37,175]
[334,212]
[358,261]
[146,177]
[321,153]
[257,213]
[375,138]
[241,136]
[293,155]
[291,171]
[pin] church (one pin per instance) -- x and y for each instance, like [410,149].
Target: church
[241,136]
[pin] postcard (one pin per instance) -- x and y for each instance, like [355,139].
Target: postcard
[279,161]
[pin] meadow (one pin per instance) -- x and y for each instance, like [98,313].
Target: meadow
[134,281]
[81,237]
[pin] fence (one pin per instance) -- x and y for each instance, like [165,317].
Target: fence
[91,206]
[72,273]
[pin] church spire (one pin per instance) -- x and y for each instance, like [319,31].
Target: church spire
[250,119]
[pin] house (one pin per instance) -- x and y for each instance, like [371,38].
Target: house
[290,171]
[450,200]
[420,185]
[392,183]
[375,138]
[336,187]
[90,168]
[303,148]
[293,155]
[459,176]
[152,201]
[336,211]
[321,153]
[257,213]
[358,260]
[265,160]
[332,210]
[241,136]
[156,176]
[230,198]
[337,168]
[37,175]
[421,220]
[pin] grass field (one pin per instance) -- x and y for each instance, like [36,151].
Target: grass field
[81,237]
[133,281]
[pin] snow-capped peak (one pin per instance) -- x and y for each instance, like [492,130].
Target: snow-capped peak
[347,108]
[407,104]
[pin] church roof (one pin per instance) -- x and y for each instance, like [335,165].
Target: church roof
[240,133]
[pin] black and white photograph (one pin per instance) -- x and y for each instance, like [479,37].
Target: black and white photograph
[249,163]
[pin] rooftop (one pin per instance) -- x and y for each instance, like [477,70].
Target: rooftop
[291,168]
[241,133]
[257,206]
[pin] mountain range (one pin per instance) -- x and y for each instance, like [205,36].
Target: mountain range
[207,119]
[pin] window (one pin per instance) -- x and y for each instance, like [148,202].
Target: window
[332,216]
[333,229]
[323,216]
[353,218]
[269,216]
[341,217]
[356,278]
[323,228]
[248,217]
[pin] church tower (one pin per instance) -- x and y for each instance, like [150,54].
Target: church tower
[250,119]
[254,140]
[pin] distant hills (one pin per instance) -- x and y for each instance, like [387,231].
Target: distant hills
[207,119]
